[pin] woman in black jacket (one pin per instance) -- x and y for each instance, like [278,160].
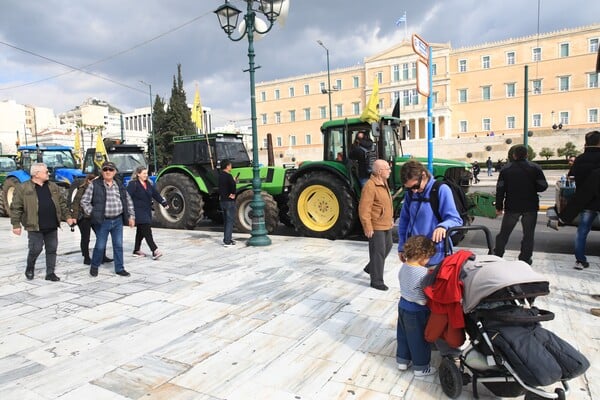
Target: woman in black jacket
[142,192]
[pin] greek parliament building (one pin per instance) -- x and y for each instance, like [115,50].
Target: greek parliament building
[478,95]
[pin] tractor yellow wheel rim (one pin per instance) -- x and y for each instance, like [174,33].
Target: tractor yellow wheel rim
[318,208]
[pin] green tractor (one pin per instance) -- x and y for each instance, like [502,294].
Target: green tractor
[324,198]
[190,184]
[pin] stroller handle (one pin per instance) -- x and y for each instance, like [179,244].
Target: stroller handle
[486,231]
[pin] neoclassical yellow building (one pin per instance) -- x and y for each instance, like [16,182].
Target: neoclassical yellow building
[477,91]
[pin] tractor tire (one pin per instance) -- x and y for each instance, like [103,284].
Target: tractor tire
[322,206]
[3,211]
[184,200]
[243,214]
[8,192]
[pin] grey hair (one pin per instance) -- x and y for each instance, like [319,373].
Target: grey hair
[36,167]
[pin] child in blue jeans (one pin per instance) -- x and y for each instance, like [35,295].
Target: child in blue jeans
[413,313]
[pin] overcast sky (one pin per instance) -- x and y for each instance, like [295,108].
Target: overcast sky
[125,41]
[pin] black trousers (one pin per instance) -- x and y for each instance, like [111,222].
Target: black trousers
[144,231]
[380,245]
[509,220]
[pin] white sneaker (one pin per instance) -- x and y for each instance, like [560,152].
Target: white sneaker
[139,254]
[404,367]
[156,254]
[426,372]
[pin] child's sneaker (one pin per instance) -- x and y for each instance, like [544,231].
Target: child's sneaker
[404,366]
[581,265]
[139,254]
[156,254]
[426,372]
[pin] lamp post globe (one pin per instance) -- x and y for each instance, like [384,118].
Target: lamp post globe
[228,19]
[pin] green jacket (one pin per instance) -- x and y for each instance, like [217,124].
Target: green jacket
[24,207]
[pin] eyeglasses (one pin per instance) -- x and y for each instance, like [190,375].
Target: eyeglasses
[107,169]
[416,186]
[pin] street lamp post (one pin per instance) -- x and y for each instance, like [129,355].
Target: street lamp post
[151,127]
[328,76]
[228,19]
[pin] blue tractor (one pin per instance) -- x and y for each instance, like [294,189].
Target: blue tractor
[61,165]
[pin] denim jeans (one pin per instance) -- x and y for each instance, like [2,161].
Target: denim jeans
[410,338]
[39,240]
[586,220]
[228,208]
[509,220]
[115,228]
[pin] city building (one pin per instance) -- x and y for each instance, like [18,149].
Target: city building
[477,92]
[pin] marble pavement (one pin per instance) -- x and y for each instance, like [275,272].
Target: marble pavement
[294,320]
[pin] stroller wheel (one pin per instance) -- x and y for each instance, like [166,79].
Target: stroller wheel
[451,378]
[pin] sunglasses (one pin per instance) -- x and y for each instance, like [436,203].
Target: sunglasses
[417,185]
[108,169]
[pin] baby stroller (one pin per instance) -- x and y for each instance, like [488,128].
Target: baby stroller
[507,350]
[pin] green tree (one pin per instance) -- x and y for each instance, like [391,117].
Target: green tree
[546,152]
[159,118]
[567,151]
[177,121]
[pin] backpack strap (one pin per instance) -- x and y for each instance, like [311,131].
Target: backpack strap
[434,199]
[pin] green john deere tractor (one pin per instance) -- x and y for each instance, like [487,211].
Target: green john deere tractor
[190,184]
[324,198]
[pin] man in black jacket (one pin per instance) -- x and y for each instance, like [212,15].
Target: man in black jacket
[517,197]
[227,190]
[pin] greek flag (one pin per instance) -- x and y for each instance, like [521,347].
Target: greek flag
[401,19]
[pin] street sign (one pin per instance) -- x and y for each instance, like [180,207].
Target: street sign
[420,47]
[422,78]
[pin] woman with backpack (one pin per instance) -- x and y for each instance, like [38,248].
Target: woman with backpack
[418,217]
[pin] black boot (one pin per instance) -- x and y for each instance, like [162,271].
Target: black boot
[29,273]
[86,256]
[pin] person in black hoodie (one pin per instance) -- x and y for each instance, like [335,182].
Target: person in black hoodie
[363,152]
[227,191]
[517,197]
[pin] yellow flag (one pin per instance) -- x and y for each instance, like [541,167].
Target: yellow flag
[197,110]
[101,154]
[77,146]
[371,112]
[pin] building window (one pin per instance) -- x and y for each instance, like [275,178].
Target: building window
[435,97]
[486,92]
[395,72]
[510,58]
[307,114]
[355,82]
[434,69]
[485,62]
[413,70]
[308,139]
[380,77]
[593,45]
[563,117]
[278,141]
[462,65]
[338,84]
[395,96]
[462,95]
[486,124]
[277,95]
[292,140]
[462,126]
[510,89]
[292,92]
[593,80]
[564,50]
[277,117]
[339,110]
[265,143]
[414,97]
[406,97]
[263,96]
[593,115]
[536,86]
[563,83]
[292,115]
[405,71]
[322,87]
[536,120]
[510,122]
[356,108]
[263,118]
[323,112]
[536,54]
[307,89]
